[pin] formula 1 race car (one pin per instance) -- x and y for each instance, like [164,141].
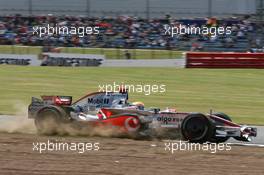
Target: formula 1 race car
[103,110]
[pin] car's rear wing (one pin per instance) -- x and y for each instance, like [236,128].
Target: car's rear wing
[37,104]
[57,100]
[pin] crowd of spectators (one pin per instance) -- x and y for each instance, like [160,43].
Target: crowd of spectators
[126,32]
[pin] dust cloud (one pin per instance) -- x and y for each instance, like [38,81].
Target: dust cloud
[18,123]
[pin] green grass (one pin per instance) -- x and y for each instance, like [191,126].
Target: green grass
[235,92]
[109,53]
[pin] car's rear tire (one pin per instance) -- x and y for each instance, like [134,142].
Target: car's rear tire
[215,139]
[197,128]
[49,120]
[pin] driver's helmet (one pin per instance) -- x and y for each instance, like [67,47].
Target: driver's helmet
[139,105]
[123,90]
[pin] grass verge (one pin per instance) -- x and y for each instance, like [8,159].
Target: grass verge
[238,93]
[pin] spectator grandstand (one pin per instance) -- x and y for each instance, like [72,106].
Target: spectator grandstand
[132,32]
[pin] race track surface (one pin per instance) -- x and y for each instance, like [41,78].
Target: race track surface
[117,156]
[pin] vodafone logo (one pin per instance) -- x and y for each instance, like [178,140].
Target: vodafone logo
[132,124]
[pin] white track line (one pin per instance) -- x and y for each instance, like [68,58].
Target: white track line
[247,144]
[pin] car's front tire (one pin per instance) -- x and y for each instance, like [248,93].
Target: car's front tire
[197,128]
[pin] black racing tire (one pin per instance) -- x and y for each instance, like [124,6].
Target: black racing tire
[49,119]
[197,128]
[215,139]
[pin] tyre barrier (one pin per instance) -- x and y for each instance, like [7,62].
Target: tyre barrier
[67,59]
[52,59]
[71,62]
[224,60]
[13,61]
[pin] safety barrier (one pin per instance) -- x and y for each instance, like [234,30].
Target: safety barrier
[224,60]
[52,59]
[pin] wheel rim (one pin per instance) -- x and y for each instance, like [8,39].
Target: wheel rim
[196,128]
